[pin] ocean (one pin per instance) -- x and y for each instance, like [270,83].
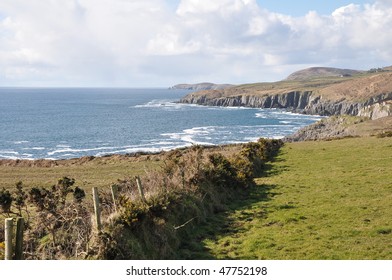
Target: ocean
[61,123]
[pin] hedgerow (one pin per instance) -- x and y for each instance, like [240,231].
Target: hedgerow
[189,187]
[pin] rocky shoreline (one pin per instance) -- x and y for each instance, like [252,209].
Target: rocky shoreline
[364,95]
[304,102]
[346,119]
[337,127]
[356,106]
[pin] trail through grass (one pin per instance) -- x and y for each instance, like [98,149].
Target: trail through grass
[319,200]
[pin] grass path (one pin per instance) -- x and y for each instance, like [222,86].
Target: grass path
[319,200]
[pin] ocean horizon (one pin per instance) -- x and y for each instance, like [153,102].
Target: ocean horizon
[63,123]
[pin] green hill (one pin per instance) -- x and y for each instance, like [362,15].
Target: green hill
[315,72]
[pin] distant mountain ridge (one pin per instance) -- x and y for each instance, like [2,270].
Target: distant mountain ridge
[201,86]
[315,72]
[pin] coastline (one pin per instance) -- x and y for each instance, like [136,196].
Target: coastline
[363,95]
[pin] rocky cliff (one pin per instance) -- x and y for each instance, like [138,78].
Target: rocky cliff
[302,102]
[369,96]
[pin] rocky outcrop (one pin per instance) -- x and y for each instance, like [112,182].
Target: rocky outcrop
[328,128]
[305,102]
[336,127]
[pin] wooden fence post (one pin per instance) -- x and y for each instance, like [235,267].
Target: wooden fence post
[9,225]
[97,210]
[19,238]
[140,188]
[114,189]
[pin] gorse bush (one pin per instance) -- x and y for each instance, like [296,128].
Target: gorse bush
[191,185]
[5,201]
[56,226]
[220,172]
[384,134]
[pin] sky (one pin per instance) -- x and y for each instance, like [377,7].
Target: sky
[159,43]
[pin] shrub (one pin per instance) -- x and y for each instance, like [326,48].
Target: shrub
[2,250]
[5,201]
[384,134]
[245,171]
[66,222]
[220,172]
[20,198]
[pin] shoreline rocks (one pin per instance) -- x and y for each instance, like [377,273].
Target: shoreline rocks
[305,102]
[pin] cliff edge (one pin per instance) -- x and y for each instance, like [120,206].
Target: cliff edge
[366,94]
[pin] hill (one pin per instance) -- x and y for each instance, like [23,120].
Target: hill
[315,72]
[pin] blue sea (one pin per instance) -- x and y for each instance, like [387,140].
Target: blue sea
[61,123]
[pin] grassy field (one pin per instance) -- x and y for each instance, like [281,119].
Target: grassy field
[87,171]
[319,200]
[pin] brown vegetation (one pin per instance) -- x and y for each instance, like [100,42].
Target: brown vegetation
[359,89]
[190,186]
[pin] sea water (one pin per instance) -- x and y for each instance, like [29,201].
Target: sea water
[60,123]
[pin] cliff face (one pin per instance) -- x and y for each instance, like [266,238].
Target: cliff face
[293,100]
[367,94]
[305,102]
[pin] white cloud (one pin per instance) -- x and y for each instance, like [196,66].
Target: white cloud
[81,42]
[138,42]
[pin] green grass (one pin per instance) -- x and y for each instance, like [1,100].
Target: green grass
[319,200]
[98,172]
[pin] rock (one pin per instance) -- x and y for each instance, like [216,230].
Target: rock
[328,128]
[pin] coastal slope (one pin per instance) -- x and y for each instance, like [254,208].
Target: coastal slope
[367,94]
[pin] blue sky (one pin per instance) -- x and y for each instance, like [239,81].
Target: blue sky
[302,7]
[142,43]
[297,7]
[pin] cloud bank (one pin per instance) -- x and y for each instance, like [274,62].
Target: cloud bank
[148,43]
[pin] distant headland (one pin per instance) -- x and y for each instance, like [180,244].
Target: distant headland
[201,86]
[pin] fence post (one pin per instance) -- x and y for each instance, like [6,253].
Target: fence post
[97,210]
[19,239]
[140,188]
[8,231]
[114,189]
